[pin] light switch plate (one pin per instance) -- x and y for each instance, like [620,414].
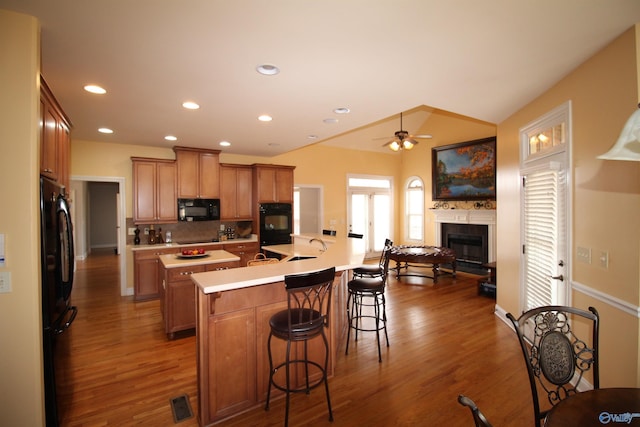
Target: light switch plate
[583,255]
[5,282]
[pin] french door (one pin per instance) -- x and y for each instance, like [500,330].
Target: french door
[370,211]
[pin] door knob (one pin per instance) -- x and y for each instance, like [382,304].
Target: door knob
[560,277]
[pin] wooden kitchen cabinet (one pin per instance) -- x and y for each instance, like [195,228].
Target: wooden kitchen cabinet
[273,183]
[235,192]
[154,191]
[198,173]
[178,296]
[54,138]
[246,251]
[147,273]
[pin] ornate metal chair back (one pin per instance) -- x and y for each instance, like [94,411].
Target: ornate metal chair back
[558,361]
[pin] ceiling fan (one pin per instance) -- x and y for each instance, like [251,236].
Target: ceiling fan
[403,140]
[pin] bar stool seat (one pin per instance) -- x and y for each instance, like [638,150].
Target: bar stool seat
[306,317]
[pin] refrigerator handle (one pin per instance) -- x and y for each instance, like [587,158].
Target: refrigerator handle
[74,312]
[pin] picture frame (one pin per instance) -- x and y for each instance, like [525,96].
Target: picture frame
[464,171]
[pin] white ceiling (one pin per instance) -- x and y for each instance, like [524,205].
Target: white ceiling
[481,59]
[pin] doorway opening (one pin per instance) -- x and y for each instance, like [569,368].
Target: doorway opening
[81,189]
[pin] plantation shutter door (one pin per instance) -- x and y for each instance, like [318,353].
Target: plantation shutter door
[542,216]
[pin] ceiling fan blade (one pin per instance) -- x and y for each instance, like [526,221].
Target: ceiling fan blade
[382,137]
[426,136]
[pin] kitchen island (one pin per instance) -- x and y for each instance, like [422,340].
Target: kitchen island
[232,326]
[177,294]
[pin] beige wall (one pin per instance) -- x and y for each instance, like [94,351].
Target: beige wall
[606,202]
[21,389]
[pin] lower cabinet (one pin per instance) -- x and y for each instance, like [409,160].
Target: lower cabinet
[246,251]
[178,296]
[147,270]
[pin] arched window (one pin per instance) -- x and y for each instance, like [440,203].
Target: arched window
[414,209]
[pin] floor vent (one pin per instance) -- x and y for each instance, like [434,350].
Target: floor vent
[181,408]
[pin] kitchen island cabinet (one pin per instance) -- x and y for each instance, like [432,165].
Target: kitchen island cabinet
[177,293]
[233,312]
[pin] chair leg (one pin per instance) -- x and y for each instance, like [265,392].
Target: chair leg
[376,312]
[324,373]
[384,318]
[349,311]
[266,405]
[288,379]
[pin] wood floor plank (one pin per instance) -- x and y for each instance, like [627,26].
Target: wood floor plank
[444,340]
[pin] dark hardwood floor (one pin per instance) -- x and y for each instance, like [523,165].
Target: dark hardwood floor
[445,340]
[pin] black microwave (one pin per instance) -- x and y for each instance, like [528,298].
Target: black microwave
[198,209]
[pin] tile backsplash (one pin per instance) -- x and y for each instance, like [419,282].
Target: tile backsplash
[185,231]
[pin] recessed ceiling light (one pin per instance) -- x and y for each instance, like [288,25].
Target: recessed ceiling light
[342,110]
[312,137]
[265,118]
[95,89]
[273,144]
[330,121]
[105,130]
[190,105]
[170,138]
[267,69]
[225,143]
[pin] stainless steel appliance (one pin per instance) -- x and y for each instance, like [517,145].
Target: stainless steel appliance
[198,209]
[57,267]
[276,223]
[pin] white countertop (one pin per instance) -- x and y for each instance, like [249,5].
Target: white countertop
[343,254]
[211,257]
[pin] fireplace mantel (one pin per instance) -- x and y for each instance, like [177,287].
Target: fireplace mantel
[462,216]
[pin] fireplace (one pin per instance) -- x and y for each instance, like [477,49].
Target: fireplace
[467,241]
[470,242]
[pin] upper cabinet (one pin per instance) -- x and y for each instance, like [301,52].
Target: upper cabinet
[55,137]
[154,191]
[198,173]
[235,192]
[273,183]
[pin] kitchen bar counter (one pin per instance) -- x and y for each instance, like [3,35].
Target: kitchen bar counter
[232,326]
[344,254]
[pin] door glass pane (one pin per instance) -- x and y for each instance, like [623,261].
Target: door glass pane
[381,220]
[359,213]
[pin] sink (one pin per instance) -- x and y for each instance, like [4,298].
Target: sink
[298,258]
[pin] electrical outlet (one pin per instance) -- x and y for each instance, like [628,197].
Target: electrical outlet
[146,231]
[132,231]
[5,282]
[604,259]
[583,255]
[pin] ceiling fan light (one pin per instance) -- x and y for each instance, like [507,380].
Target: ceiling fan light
[407,145]
[395,146]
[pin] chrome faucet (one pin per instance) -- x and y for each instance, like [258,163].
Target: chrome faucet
[324,245]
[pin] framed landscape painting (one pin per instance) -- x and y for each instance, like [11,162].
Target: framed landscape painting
[464,171]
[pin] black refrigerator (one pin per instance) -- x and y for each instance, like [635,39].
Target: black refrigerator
[57,267]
